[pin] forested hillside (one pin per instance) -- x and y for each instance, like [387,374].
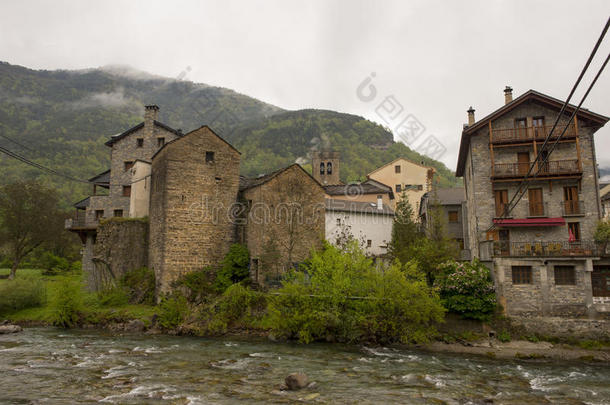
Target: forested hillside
[61,119]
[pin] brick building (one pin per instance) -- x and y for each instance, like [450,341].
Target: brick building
[542,255]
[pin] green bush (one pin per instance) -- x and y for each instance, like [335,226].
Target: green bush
[504,336]
[139,286]
[467,289]
[197,285]
[52,264]
[234,267]
[115,296]
[344,296]
[173,310]
[67,303]
[21,293]
[237,303]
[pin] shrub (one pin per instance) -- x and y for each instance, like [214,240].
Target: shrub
[602,233]
[237,303]
[67,303]
[197,285]
[173,310]
[467,289]
[113,297]
[344,296]
[53,264]
[504,336]
[234,267]
[139,286]
[21,293]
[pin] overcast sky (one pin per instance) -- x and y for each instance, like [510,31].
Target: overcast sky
[435,58]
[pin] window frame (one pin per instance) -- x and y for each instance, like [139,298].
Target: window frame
[449,217]
[209,156]
[565,274]
[575,226]
[139,142]
[522,275]
[161,141]
[398,188]
[117,213]
[126,191]
[397,169]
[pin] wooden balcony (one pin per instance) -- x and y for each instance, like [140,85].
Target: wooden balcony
[530,134]
[549,169]
[80,221]
[574,208]
[547,249]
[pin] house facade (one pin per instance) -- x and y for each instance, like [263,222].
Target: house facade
[402,175]
[541,252]
[452,203]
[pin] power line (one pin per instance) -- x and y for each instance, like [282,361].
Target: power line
[16,143]
[521,190]
[39,166]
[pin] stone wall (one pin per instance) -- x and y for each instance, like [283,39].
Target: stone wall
[121,246]
[284,222]
[565,328]
[191,217]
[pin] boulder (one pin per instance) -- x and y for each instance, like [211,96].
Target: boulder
[296,381]
[135,325]
[4,329]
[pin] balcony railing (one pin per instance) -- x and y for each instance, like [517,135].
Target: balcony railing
[80,220]
[555,167]
[547,249]
[538,209]
[512,135]
[573,208]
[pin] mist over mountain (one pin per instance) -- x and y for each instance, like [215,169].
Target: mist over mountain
[62,118]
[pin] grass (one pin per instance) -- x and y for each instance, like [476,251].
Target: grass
[93,311]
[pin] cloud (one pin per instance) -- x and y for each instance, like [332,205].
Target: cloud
[113,99]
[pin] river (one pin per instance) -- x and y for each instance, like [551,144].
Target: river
[55,366]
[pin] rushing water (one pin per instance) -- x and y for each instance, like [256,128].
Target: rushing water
[53,366]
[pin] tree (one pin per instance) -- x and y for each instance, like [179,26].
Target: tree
[602,233]
[404,230]
[29,218]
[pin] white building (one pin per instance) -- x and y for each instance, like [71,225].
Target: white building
[369,223]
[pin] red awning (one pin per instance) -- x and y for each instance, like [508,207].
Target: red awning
[530,222]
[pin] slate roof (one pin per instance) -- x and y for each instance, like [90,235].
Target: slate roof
[356,206]
[366,187]
[448,195]
[82,204]
[528,95]
[101,179]
[133,129]
[181,135]
[246,183]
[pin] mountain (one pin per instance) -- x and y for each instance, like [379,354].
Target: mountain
[61,119]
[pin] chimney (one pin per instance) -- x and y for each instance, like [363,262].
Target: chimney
[379,203]
[470,116]
[151,113]
[508,94]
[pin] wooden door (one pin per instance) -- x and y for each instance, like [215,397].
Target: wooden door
[523,165]
[600,281]
[570,200]
[521,128]
[501,197]
[536,203]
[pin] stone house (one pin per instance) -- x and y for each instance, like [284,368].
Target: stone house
[197,205]
[452,202]
[283,216]
[402,175]
[542,254]
[604,195]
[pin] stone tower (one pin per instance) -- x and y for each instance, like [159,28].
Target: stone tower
[325,167]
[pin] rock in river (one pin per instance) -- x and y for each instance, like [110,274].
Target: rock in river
[296,381]
[4,329]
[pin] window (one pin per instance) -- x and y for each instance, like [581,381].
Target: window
[160,142]
[565,275]
[329,168]
[369,243]
[538,124]
[420,187]
[397,169]
[501,197]
[398,188]
[139,142]
[126,191]
[209,157]
[322,168]
[118,213]
[128,165]
[453,216]
[521,128]
[573,231]
[535,202]
[99,214]
[522,274]
[460,243]
[338,221]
